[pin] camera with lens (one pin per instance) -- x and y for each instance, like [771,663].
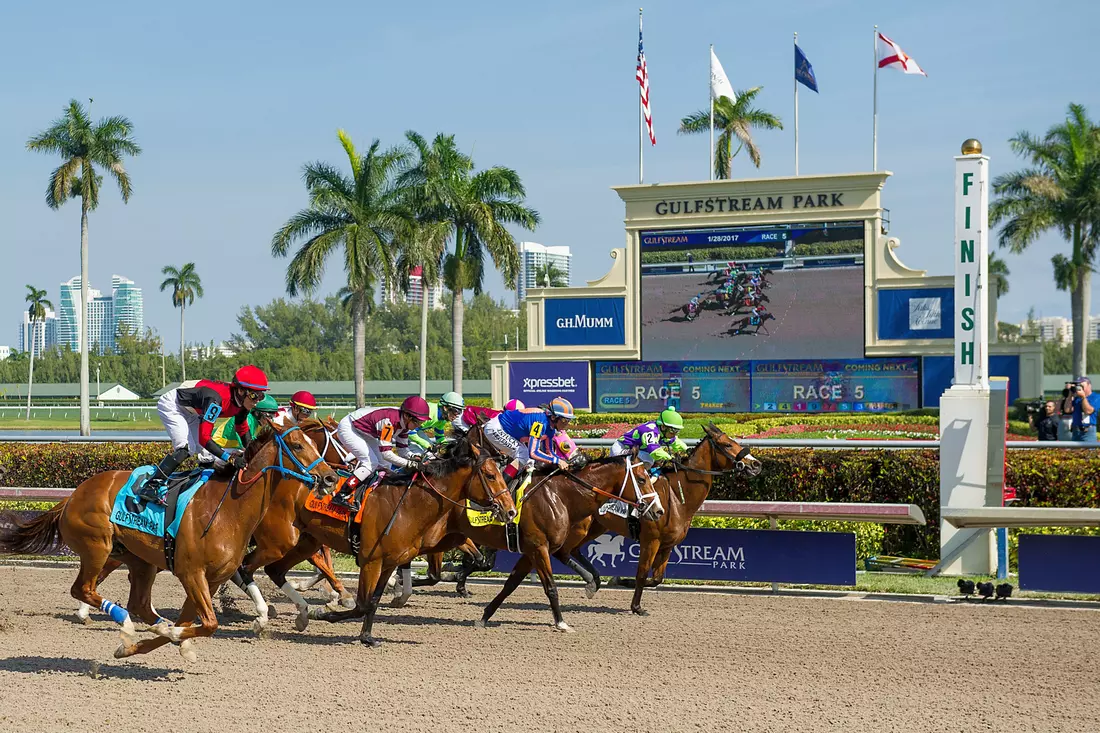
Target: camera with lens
[1034,407]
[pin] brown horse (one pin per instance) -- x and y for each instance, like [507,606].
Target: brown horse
[213,533]
[397,515]
[556,512]
[683,488]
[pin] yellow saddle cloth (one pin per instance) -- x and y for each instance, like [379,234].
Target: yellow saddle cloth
[484,519]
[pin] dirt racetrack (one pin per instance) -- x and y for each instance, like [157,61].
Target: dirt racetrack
[818,314]
[699,662]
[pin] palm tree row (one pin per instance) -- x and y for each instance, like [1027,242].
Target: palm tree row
[397,210]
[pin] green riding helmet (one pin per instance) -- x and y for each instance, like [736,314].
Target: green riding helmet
[670,419]
[452,399]
[267,404]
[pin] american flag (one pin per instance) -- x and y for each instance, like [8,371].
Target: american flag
[643,82]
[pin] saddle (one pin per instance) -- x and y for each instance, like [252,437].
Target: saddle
[176,483]
[355,516]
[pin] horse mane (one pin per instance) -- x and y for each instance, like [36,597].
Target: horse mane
[459,454]
[311,423]
[265,435]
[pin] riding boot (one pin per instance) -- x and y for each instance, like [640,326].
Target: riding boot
[345,497]
[150,490]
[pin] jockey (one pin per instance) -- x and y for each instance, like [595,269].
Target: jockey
[473,415]
[434,429]
[379,438]
[302,405]
[265,409]
[525,436]
[189,414]
[654,440]
[757,313]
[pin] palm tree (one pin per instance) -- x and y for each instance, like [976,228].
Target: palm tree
[1060,191]
[549,275]
[998,275]
[37,312]
[186,286]
[475,207]
[85,147]
[360,213]
[421,246]
[732,120]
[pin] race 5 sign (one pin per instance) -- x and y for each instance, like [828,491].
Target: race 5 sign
[537,382]
[758,555]
[585,321]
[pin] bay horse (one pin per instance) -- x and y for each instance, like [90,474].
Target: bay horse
[684,487]
[556,512]
[396,517]
[213,533]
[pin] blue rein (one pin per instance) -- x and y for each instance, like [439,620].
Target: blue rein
[303,472]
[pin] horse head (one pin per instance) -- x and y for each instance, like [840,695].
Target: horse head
[489,489]
[288,452]
[738,455]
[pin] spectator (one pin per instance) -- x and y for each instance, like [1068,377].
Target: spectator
[1085,406]
[691,262]
[1065,429]
[1048,423]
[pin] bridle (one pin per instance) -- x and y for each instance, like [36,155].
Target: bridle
[737,461]
[333,440]
[303,471]
[644,503]
[494,499]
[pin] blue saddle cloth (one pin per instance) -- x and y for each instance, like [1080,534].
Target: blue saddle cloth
[130,511]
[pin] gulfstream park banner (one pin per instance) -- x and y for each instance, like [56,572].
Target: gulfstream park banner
[806,385]
[747,555]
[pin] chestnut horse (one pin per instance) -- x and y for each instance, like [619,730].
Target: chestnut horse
[397,515]
[213,533]
[683,488]
[557,511]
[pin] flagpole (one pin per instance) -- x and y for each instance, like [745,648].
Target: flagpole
[874,128]
[710,95]
[796,108]
[641,116]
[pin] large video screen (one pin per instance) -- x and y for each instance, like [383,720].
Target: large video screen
[855,385]
[762,292]
[637,386]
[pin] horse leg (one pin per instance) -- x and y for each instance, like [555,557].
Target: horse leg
[369,579]
[323,558]
[582,567]
[660,564]
[367,590]
[161,629]
[140,603]
[277,570]
[197,586]
[405,581]
[92,560]
[473,561]
[647,551]
[546,575]
[111,566]
[435,571]
[519,572]
[243,579]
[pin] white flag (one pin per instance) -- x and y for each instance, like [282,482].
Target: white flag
[719,82]
[890,55]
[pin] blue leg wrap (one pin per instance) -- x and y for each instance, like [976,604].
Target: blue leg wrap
[117,613]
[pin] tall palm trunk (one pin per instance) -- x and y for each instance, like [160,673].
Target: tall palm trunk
[423,338]
[457,314]
[1081,299]
[85,411]
[360,317]
[183,351]
[30,379]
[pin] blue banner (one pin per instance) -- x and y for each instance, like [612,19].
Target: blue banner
[538,382]
[849,385]
[688,386]
[756,555]
[585,321]
[1053,562]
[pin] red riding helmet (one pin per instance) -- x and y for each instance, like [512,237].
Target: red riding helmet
[304,399]
[415,406]
[251,377]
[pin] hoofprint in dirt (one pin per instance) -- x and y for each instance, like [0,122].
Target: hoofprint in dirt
[818,313]
[699,662]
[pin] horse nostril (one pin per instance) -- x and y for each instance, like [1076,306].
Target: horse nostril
[511,513]
[329,480]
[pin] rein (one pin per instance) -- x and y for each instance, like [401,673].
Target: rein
[303,473]
[721,449]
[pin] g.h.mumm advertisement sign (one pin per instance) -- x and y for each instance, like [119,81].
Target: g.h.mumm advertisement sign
[585,321]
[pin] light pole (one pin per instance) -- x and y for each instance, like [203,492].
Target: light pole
[163,378]
[98,390]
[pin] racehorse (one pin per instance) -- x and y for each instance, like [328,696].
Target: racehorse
[397,515]
[683,488]
[210,543]
[555,513]
[742,325]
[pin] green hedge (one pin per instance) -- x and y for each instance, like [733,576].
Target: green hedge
[846,247]
[1041,478]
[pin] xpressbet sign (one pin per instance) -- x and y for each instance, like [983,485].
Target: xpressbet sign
[971,270]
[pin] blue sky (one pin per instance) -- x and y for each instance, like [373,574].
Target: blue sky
[230,99]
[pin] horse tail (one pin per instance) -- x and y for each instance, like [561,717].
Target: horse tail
[33,537]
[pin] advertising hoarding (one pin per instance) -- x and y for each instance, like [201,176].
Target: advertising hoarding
[538,382]
[585,321]
[634,386]
[853,385]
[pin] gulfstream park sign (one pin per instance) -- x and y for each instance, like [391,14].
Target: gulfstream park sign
[722,204]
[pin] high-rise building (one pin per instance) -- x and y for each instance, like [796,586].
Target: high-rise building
[1051,328]
[129,306]
[45,332]
[125,305]
[1094,329]
[415,294]
[533,256]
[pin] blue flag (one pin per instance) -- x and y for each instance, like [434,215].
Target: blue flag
[803,72]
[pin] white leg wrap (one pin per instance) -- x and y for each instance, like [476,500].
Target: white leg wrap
[83,612]
[292,593]
[261,605]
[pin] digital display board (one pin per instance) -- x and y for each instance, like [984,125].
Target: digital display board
[633,386]
[761,292]
[854,385]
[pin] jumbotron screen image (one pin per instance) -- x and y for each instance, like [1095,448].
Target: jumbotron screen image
[763,292]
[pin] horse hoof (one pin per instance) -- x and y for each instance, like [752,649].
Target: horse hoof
[258,626]
[464,593]
[563,627]
[480,623]
[187,651]
[399,601]
[639,611]
[347,601]
[296,585]
[272,612]
[302,621]
[370,641]
[591,589]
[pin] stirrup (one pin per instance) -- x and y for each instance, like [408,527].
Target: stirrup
[150,494]
[345,499]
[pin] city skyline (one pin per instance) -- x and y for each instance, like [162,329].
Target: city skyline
[107,314]
[532,256]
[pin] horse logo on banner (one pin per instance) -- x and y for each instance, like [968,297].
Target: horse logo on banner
[606,546]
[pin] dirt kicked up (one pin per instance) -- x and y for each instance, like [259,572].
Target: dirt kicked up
[704,662]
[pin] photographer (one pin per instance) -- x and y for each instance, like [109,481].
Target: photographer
[1085,406]
[1048,423]
[1066,410]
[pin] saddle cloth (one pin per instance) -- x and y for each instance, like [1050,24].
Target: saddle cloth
[134,513]
[484,519]
[324,505]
